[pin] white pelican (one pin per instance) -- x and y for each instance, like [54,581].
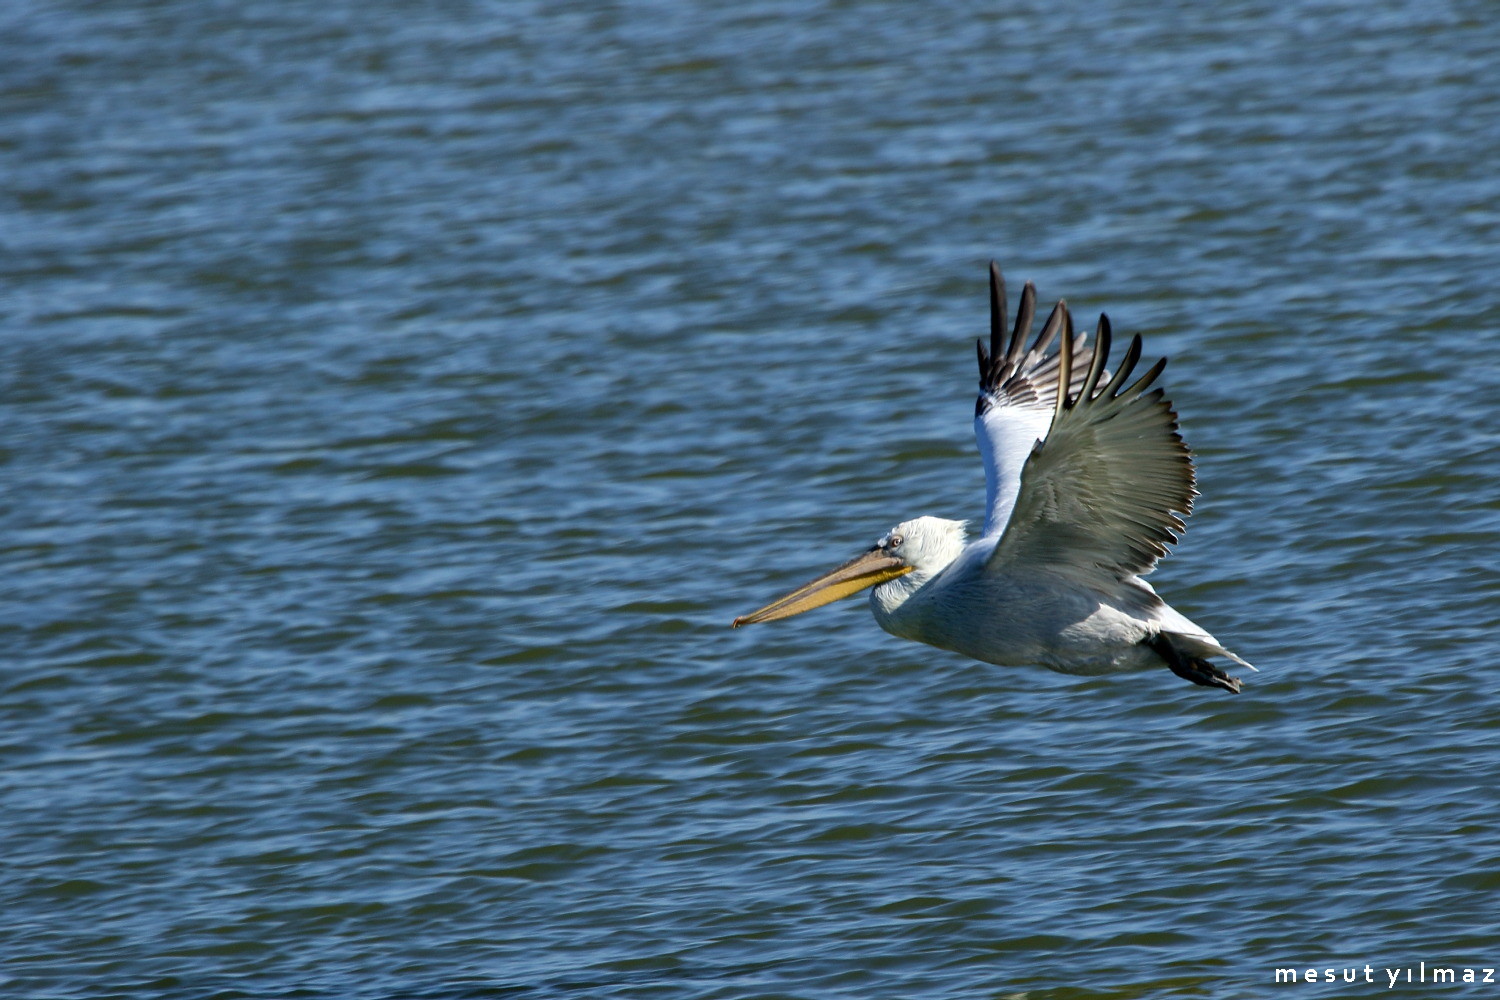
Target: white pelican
[1086,487]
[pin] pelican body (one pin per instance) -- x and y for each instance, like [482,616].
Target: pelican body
[1087,481]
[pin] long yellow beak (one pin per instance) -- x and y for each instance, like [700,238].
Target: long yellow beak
[866,570]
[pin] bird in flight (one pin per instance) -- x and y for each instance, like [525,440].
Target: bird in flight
[1087,482]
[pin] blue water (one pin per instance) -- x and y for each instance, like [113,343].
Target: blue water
[399,403]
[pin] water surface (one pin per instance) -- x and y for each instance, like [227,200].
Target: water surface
[399,404]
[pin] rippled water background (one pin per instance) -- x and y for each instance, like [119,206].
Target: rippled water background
[399,402]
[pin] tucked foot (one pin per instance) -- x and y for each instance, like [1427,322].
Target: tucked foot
[1192,668]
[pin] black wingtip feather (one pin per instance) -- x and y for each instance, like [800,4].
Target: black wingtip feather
[1144,382]
[997,315]
[1025,315]
[1049,329]
[1102,337]
[1127,365]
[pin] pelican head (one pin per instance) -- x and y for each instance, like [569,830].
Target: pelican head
[904,559]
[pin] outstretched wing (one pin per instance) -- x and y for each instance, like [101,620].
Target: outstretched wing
[1017,395]
[1105,492]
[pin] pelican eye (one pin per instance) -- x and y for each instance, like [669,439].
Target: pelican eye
[893,541]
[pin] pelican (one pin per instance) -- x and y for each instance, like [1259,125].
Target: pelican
[1087,482]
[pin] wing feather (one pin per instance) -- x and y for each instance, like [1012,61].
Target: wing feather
[1105,490]
[1018,391]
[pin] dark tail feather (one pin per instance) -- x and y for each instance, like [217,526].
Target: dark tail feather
[1193,668]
